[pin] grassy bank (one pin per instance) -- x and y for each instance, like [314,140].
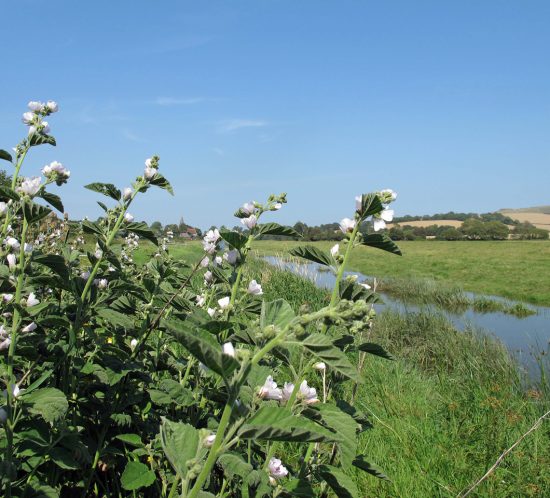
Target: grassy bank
[444,411]
[511,269]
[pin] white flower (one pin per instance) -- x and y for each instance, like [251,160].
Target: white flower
[31,300]
[6,298]
[101,283]
[248,208]
[249,222]
[127,193]
[133,344]
[270,390]
[208,247]
[98,253]
[228,349]
[208,277]
[12,261]
[30,186]
[218,260]
[14,390]
[128,218]
[223,302]
[212,236]
[52,106]
[56,167]
[308,394]
[366,286]
[334,250]
[358,202]
[30,327]
[255,288]
[200,300]
[5,343]
[149,173]
[35,106]
[85,275]
[231,256]
[321,366]
[3,207]
[27,248]
[211,312]
[148,162]
[32,129]
[45,127]
[3,416]
[209,441]
[13,243]
[276,469]
[380,223]
[204,262]
[288,388]
[389,193]
[277,206]
[347,225]
[28,117]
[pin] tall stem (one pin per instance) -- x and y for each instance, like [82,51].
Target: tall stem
[336,291]
[237,282]
[10,424]
[13,184]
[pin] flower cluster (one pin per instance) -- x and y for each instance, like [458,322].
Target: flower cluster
[33,118]
[151,168]
[270,391]
[56,172]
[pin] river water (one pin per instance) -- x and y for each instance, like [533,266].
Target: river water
[524,337]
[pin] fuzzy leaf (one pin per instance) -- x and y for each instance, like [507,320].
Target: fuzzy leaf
[276,229]
[136,475]
[6,193]
[54,262]
[131,439]
[180,443]
[312,253]
[53,199]
[342,485]
[115,318]
[141,229]
[40,139]
[372,469]
[161,182]
[273,423]
[322,347]
[370,204]
[50,403]
[34,212]
[234,239]
[91,227]
[381,241]
[5,155]
[234,465]
[375,349]
[278,313]
[107,189]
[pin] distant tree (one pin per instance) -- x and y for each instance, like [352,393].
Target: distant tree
[451,233]
[5,179]
[156,226]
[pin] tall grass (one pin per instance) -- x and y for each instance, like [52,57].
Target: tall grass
[444,411]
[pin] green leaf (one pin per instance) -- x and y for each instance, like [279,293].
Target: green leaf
[34,212]
[300,488]
[115,318]
[322,347]
[107,189]
[7,193]
[53,199]
[234,239]
[177,393]
[372,469]
[342,485]
[273,423]
[136,475]
[278,313]
[91,227]
[50,403]
[5,155]
[381,241]
[131,439]
[159,181]
[180,443]
[40,139]
[370,204]
[64,459]
[54,262]
[276,229]
[375,349]
[312,253]
[340,422]
[203,347]
[141,229]
[234,465]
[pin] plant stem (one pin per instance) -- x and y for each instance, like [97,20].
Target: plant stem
[336,290]
[237,282]
[13,184]
[213,454]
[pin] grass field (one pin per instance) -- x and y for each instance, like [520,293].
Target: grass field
[517,270]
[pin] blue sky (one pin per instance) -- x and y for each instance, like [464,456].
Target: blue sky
[448,103]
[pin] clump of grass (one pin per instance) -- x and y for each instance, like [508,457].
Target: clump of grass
[426,291]
[487,305]
[519,310]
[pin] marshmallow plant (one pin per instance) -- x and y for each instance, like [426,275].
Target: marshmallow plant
[168,378]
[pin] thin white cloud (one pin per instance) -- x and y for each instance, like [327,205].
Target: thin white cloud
[171,101]
[129,135]
[238,124]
